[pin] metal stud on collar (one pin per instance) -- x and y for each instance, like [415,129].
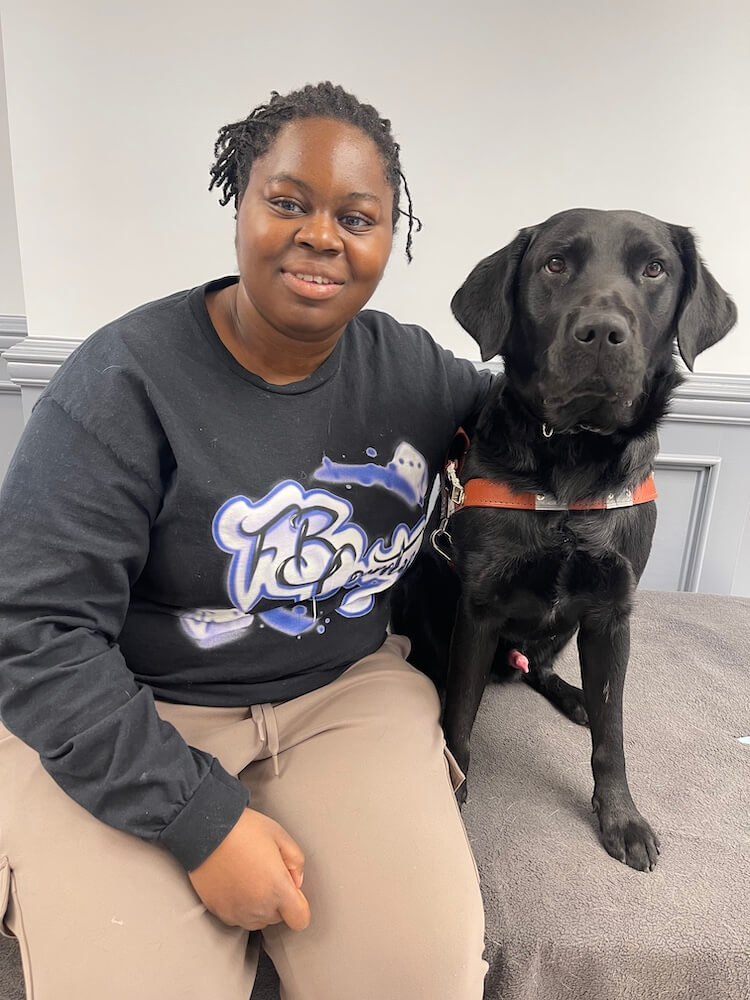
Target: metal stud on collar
[547,431]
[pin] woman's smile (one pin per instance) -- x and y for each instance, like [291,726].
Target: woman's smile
[311,283]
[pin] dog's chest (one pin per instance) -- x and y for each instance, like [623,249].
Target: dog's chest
[539,569]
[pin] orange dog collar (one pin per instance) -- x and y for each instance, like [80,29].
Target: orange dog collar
[492,493]
[488,493]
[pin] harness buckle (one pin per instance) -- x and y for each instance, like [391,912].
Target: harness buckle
[455,489]
[452,496]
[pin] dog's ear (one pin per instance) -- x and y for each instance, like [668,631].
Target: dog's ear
[484,304]
[705,313]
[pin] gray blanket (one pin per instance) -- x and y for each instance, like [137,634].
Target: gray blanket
[564,920]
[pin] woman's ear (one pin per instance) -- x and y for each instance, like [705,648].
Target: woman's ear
[705,313]
[484,304]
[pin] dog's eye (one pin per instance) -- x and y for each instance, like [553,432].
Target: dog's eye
[653,270]
[555,265]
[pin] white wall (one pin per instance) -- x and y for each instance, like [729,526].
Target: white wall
[506,113]
[11,285]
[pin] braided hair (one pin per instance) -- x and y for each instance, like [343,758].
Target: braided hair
[241,143]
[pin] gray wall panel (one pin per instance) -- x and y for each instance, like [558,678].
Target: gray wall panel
[11,425]
[741,583]
[722,569]
[12,330]
[687,487]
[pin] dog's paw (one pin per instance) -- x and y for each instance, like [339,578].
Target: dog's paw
[567,698]
[628,837]
[572,705]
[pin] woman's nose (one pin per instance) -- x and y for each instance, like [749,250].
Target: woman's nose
[319,232]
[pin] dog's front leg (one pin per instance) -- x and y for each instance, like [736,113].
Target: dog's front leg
[473,646]
[604,647]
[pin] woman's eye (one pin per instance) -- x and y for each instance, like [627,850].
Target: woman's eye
[555,265]
[355,221]
[653,270]
[287,205]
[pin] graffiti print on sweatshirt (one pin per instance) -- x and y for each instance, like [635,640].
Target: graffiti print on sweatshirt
[297,547]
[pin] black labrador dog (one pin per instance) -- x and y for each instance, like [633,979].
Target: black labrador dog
[584,310]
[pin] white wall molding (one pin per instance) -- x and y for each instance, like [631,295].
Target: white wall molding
[24,355]
[13,326]
[31,363]
[709,398]
[10,334]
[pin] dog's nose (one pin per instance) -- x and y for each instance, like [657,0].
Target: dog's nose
[605,330]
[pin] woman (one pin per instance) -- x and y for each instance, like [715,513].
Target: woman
[200,527]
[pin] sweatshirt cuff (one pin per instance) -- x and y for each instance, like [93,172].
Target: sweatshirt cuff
[209,815]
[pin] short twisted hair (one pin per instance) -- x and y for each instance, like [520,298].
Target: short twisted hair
[241,143]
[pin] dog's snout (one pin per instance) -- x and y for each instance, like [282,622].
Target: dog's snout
[605,330]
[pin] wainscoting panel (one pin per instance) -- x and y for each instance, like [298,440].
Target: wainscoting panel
[702,540]
[709,422]
[687,488]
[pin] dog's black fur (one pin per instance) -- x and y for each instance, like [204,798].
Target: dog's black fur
[584,309]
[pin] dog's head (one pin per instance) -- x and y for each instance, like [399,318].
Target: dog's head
[583,306]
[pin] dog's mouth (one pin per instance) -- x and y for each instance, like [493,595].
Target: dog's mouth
[593,405]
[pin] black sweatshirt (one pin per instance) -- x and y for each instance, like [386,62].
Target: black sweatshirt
[174,527]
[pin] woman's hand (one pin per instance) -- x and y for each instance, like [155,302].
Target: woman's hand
[254,876]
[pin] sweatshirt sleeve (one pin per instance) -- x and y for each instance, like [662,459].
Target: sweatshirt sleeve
[469,388]
[76,521]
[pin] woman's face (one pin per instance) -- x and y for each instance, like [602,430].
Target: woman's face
[314,229]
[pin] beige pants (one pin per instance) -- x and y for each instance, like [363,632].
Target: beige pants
[364,786]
